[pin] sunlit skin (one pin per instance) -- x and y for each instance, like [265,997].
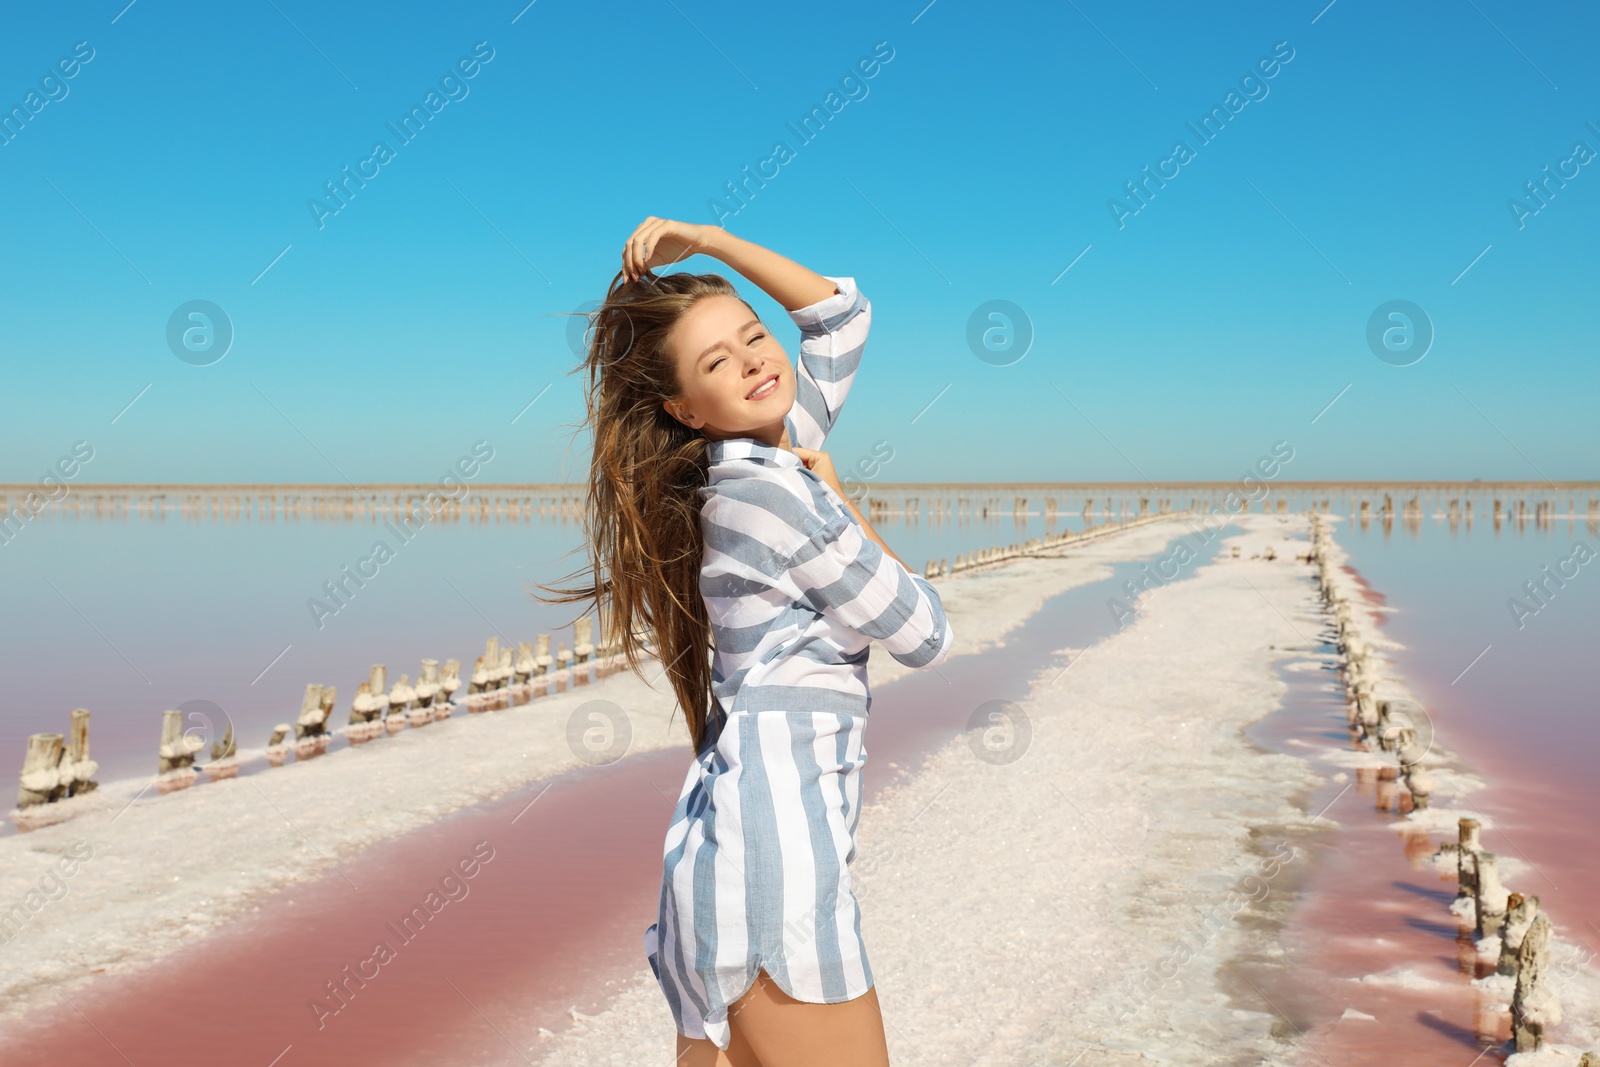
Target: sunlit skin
[723,353]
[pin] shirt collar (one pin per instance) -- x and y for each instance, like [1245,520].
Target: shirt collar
[722,452]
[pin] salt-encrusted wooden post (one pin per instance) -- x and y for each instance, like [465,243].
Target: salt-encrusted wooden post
[1366,707]
[503,669]
[428,684]
[1418,780]
[1535,1008]
[176,754]
[277,747]
[368,707]
[224,757]
[523,668]
[403,701]
[391,712]
[1466,858]
[1395,731]
[1362,671]
[491,666]
[79,766]
[418,716]
[308,722]
[226,747]
[449,682]
[477,684]
[310,729]
[41,774]
[499,675]
[358,732]
[1490,894]
[401,696]
[1520,913]
[490,660]
[564,658]
[582,649]
[541,656]
[583,638]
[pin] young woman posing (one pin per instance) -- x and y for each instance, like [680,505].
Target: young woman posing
[719,529]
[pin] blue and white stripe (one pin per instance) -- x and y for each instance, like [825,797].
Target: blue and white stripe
[756,863]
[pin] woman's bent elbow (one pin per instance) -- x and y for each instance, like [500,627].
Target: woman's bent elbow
[929,653]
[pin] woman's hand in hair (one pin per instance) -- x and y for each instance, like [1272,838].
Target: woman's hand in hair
[661,241]
[658,242]
[820,464]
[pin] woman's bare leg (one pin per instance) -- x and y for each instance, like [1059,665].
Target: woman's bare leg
[698,1052]
[783,1032]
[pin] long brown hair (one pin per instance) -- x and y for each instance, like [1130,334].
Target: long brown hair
[642,513]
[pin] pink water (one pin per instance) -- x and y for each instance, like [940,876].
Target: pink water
[1370,903]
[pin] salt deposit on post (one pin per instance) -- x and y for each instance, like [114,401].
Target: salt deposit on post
[276,750]
[310,729]
[53,771]
[177,753]
[224,757]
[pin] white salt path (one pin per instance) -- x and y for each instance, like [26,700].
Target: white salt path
[1073,907]
[167,870]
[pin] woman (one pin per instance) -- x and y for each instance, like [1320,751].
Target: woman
[718,528]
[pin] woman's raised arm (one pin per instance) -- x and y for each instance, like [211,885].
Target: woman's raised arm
[658,242]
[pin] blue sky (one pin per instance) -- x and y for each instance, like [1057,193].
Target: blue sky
[974,165]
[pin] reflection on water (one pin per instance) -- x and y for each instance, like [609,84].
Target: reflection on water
[1498,625]
[1370,905]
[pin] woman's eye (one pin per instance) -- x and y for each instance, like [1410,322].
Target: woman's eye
[757,337]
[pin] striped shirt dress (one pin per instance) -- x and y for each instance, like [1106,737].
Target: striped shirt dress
[756,865]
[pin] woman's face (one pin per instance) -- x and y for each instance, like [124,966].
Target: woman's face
[736,378]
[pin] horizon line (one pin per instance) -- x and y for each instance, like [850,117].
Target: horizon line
[1476,483]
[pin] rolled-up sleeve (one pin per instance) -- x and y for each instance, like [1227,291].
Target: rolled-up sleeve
[847,576]
[833,334]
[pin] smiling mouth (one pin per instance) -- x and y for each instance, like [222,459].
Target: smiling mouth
[764,390]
